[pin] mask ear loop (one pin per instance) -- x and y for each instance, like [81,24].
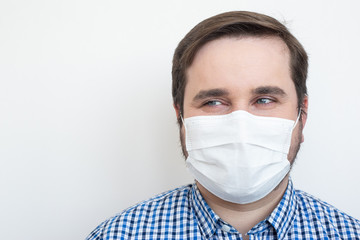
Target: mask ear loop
[297,119]
[182,120]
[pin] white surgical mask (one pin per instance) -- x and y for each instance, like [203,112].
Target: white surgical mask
[239,157]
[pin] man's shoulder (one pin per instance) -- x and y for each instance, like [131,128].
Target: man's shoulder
[332,220]
[159,204]
[160,209]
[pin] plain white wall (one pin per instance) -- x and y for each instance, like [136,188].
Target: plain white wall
[86,120]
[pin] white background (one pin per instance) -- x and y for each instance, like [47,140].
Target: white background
[86,120]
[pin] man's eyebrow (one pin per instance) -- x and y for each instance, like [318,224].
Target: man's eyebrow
[269,90]
[216,92]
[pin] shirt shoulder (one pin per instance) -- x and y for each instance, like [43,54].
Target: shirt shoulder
[325,218]
[148,219]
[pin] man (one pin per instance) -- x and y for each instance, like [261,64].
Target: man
[239,91]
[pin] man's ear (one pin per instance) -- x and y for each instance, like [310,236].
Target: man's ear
[177,110]
[304,113]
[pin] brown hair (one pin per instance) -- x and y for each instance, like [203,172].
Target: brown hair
[235,24]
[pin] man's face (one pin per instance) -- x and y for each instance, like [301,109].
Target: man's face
[250,74]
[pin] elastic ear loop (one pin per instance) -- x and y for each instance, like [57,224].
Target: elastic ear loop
[183,121]
[297,119]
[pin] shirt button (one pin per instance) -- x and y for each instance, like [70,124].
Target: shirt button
[225,228]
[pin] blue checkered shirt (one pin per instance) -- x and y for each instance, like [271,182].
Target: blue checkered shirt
[183,214]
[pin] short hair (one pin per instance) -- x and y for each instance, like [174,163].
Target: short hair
[236,24]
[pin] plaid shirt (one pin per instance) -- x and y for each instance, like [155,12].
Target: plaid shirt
[183,214]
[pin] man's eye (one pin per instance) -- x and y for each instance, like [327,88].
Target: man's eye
[213,103]
[264,101]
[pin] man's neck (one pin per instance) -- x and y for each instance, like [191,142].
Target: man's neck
[243,217]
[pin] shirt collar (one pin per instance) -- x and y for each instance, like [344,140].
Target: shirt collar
[207,219]
[281,217]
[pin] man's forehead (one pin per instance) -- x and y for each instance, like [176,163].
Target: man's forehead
[240,67]
[245,52]
[261,58]
[274,42]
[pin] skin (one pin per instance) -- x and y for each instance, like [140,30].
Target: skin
[250,74]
